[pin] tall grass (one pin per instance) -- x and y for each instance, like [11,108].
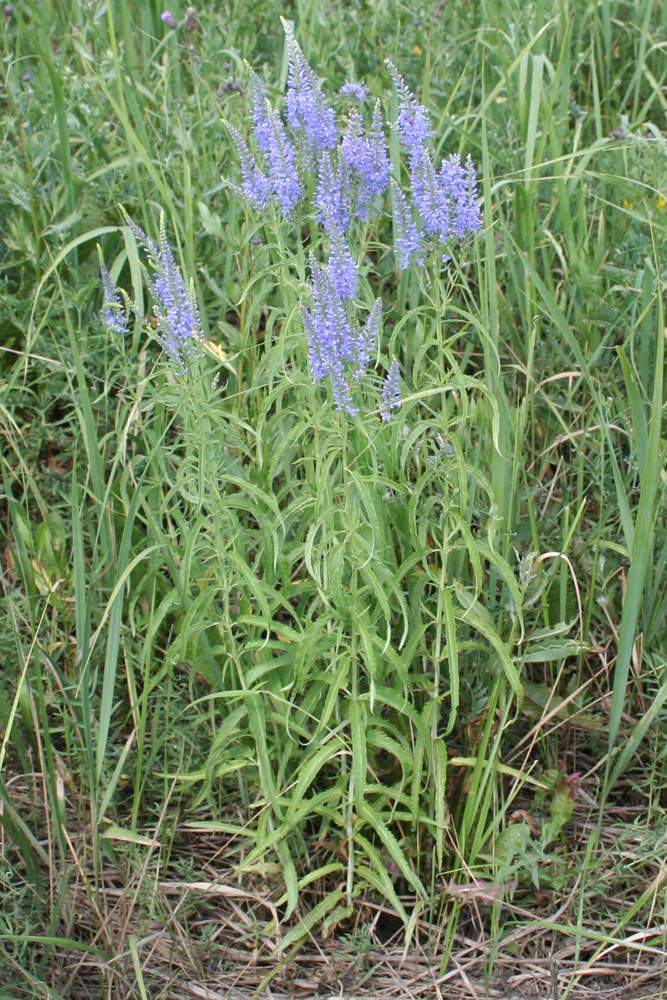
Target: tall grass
[378,660]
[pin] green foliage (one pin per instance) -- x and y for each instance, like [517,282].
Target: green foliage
[374,655]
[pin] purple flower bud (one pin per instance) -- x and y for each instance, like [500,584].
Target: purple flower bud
[8,10]
[26,77]
[168,19]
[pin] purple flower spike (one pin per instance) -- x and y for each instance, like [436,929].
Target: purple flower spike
[332,194]
[342,269]
[353,147]
[430,198]
[307,108]
[367,157]
[330,337]
[283,175]
[113,312]
[459,186]
[260,117]
[469,216]
[354,90]
[367,339]
[179,324]
[391,392]
[413,125]
[341,390]
[377,174]
[407,239]
[255,188]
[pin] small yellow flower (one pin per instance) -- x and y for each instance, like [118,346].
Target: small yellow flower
[662,201]
[627,204]
[501,99]
[417,51]
[617,51]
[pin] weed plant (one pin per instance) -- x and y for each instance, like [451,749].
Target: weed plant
[402,670]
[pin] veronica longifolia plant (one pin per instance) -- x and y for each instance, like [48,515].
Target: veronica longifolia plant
[344,162]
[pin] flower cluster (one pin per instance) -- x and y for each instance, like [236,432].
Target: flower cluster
[347,167]
[355,90]
[351,167]
[338,350]
[445,199]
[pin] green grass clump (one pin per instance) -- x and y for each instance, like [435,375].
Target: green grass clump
[337,663]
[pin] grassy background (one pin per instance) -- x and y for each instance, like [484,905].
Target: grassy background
[350,668]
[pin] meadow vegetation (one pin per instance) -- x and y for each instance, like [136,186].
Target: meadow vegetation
[280,677]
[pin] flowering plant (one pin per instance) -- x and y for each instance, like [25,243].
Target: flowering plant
[313,515]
